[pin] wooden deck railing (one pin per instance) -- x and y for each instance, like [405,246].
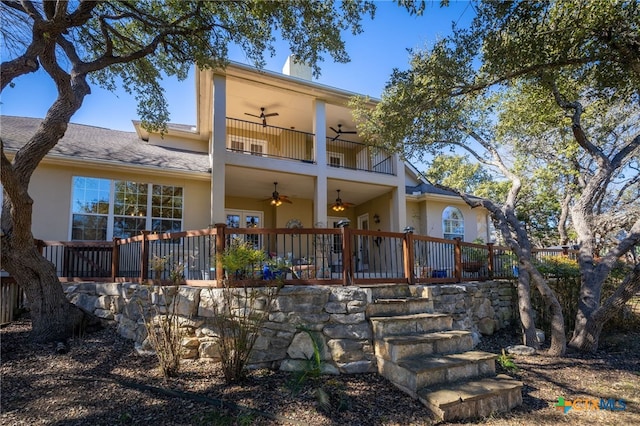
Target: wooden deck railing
[309,256]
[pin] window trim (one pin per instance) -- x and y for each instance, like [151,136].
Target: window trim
[111,216]
[338,155]
[250,141]
[459,223]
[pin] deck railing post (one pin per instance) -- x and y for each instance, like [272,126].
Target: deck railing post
[144,257]
[115,259]
[490,260]
[221,239]
[40,246]
[347,267]
[409,255]
[457,258]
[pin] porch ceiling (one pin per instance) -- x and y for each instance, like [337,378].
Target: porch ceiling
[295,110]
[258,184]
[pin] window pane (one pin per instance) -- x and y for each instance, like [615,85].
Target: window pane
[125,227]
[161,226]
[166,202]
[90,195]
[233,221]
[130,198]
[452,223]
[89,227]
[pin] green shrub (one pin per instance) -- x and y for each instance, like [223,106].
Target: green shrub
[506,362]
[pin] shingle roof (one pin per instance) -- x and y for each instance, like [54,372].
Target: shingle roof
[427,188]
[97,143]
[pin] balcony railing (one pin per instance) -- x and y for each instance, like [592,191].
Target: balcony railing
[358,156]
[307,256]
[250,138]
[269,141]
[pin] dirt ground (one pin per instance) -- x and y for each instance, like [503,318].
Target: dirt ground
[101,381]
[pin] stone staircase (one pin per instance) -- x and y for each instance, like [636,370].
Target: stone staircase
[420,353]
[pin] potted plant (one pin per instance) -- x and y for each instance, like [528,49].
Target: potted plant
[240,260]
[474,258]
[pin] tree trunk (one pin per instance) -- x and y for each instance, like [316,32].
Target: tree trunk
[53,317]
[524,307]
[586,334]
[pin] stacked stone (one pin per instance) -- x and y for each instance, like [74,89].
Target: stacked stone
[299,318]
[334,317]
[483,307]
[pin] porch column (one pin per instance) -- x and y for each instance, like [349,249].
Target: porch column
[218,148]
[320,155]
[399,198]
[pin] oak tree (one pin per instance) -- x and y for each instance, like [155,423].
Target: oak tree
[569,67]
[131,43]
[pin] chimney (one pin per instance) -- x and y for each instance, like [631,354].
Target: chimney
[296,69]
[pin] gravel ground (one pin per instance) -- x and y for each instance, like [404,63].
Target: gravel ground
[101,381]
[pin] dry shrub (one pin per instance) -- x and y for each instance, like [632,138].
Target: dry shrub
[240,315]
[164,334]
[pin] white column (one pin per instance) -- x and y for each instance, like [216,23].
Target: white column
[218,148]
[399,198]
[320,155]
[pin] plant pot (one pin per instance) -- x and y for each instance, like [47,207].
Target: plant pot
[472,266]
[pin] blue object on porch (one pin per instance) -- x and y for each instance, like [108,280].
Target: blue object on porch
[439,273]
[266,273]
[516,271]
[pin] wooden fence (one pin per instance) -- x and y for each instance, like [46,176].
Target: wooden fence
[11,300]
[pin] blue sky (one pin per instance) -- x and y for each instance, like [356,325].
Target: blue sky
[374,54]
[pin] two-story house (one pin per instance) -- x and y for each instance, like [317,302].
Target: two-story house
[270,150]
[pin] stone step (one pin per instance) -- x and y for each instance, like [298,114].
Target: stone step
[414,373]
[471,399]
[393,307]
[387,291]
[397,348]
[410,324]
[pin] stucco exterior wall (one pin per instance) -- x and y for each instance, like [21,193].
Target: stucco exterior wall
[51,189]
[472,220]
[173,141]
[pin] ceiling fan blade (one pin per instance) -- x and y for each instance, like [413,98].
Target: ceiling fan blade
[286,200]
[252,115]
[273,114]
[334,130]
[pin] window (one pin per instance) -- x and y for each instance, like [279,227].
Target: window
[452,223]
[103,209]
[335,159]
[247,145]
[90,209]
[336,244]
[246,219]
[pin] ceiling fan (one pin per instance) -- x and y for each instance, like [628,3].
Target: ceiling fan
[263,116]
[340,205]
[276,199]
[341,132]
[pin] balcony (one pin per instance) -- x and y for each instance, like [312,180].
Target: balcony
[250,138]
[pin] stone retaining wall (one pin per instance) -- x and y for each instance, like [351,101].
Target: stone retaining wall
[479,306]
[334,315]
